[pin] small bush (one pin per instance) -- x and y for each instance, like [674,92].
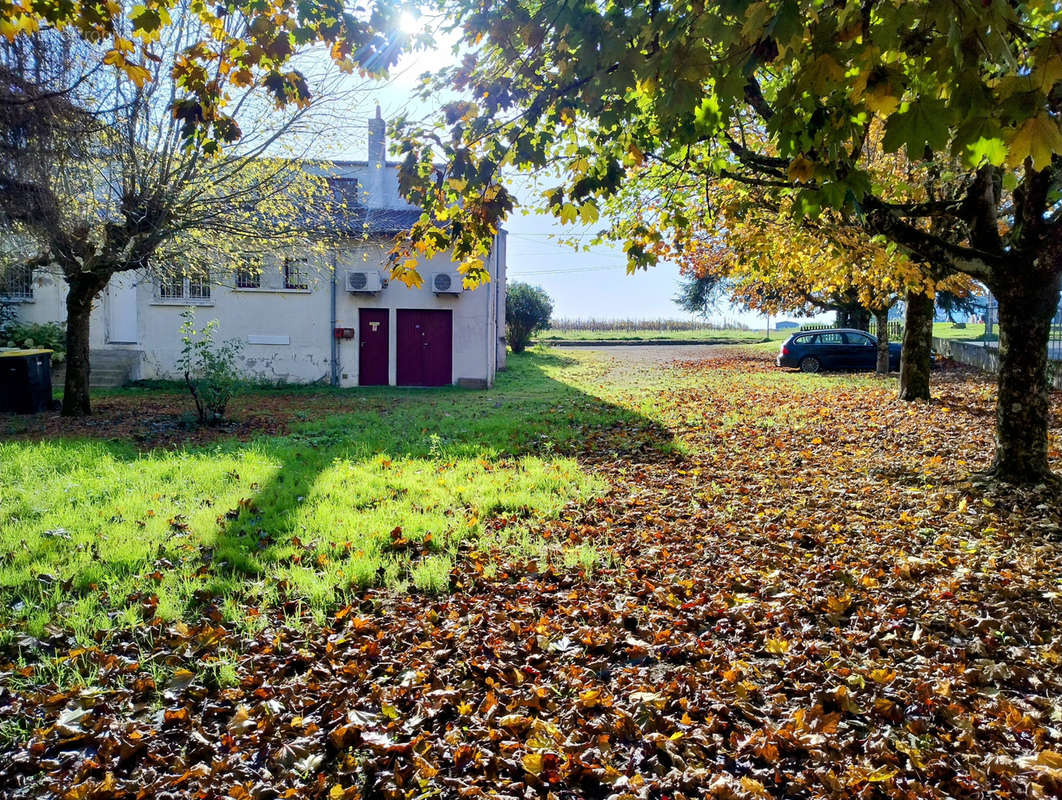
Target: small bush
[527,311]
[46,335]
[209,368]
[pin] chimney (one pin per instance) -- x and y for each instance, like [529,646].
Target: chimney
[377,161]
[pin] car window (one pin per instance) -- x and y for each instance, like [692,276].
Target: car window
[858,338]
[803,339]
[830,338]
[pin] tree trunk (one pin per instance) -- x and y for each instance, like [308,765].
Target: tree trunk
[917,347]
[82,291]
[854,317]
[861,319]
[881,318]
[1027,303]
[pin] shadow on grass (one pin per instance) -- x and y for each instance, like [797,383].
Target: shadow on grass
[378,486]
[419,470]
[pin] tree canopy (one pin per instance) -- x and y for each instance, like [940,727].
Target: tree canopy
[527,311]
[100,176]
[785,96]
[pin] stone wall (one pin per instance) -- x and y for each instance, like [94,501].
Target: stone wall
[984,357]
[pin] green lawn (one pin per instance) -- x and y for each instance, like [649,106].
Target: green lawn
[729,335]
[636,544]
[944,330]
[972,331]
[384,487]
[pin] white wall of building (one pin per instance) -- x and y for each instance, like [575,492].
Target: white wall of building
[286,335]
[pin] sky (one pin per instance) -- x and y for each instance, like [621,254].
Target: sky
[582,284]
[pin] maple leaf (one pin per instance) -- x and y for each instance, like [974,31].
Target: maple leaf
[1038,139]
[801,169]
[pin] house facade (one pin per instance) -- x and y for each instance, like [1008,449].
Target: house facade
[325,314]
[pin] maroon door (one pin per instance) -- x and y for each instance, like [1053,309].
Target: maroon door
[372,347]
[425,348]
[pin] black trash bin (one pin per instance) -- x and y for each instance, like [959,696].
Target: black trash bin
[25,381]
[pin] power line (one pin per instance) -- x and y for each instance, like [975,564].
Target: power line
[562,271]
[553,235]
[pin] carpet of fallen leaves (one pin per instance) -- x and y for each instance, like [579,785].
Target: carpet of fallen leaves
[812,598]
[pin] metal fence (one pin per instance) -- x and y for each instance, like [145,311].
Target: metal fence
[1054,341]
[632,325]
[989,339]
[895,328]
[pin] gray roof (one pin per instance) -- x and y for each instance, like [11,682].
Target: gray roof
[391,220]
[342,213]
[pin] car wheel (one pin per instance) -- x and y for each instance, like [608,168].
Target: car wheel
[810,364]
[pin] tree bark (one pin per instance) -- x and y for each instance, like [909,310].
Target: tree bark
[917,347]
[83,289]
[1027,303]
[853,317]
[861,319]
[881,318]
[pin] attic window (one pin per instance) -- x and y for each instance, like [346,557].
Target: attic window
[296,274]
[17,283]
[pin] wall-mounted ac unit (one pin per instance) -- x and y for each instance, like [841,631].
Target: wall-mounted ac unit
[447,282]
[364,281]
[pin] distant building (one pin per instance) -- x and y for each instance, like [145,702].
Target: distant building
[307,317]
[785,325]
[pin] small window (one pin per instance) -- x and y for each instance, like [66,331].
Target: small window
[17,283]
[171,287]
[803,340]
[199,287]
[195,288]
[858,339]
[830,338]
[248,278]
[296,275]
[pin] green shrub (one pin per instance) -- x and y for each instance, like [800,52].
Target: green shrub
[45,335]
[209,368]
[527,311]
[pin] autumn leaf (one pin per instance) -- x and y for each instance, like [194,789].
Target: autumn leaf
[533,763]
[1038,139]
[801,169]
[777,647]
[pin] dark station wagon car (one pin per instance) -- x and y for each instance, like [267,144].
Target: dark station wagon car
[834,349]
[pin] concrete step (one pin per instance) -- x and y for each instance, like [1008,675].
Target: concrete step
[114,358]
[107,378]
[111,368]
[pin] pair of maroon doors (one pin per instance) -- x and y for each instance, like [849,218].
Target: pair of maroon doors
[424,347]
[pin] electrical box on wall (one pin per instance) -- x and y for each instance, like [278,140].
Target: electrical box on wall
[344,333]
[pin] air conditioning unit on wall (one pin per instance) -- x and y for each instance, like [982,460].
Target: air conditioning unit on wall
[447,282]
[364,281]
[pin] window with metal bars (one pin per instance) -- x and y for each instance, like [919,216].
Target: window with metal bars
[194,288]
[17,283]
[248,278]
[296,274]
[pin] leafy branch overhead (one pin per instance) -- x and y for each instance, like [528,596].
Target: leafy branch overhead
[780,90]
[797,99]
[242,43]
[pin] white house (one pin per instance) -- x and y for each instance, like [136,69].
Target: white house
[312,317]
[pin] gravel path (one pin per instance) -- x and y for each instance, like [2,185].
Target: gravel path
[625,360]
